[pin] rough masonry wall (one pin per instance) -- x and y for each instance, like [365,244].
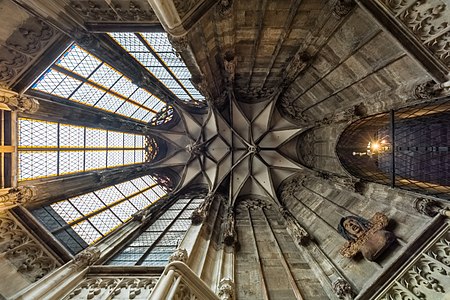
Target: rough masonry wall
[268,260]
[360,63]
[319,206]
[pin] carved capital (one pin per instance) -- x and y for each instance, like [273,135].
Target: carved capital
[342,289]
[179,255]
[179,43]
[430,207]
[85,258]
[19,195]
[343,8]
[18,103]
[226,289]
[225,8]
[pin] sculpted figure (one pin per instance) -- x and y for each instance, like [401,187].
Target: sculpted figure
[367,237]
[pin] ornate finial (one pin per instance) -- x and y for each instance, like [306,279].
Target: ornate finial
[19,195]
[179,255]
[18,103]
[86,258]
[226,289]
[430,207]
[342,289]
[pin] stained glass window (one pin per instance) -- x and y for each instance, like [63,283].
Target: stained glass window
[154,246]
[81,77]
[51,149]
[81,221]
[154,51]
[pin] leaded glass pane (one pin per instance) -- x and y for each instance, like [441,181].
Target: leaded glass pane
[146,239]
[139,156]
[127,109]
[181,225]
[96,138]
[109,102]
[87,66]
[66,210]
[49,81]
[158,190]
[159,256]
[35,164]
[171,238]
[72,58]
[105,76]
[128,140]
[159,225]
[115,139]
[124,210]
[115,158]
[87,94]
[87,232]
[127,188]
[139,183]
[36,134]
[139,201]
[128,157]
[71,136]
[151,195]
[124,87]
[109,194]
[86,203]
[105,221]
[95,160]
[149,180]
[71,162]
[66,87]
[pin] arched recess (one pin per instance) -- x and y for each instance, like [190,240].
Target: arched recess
[406,148]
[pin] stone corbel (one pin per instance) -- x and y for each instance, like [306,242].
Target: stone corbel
[226,289]
[430,89]
[343,8]
[225,8]
[342,289]
[85,258]
[229,63]
[17,196]
[200,214]
[230,234]
[179,255]
[430,207]
[299,62]
[18,103]
[179,43]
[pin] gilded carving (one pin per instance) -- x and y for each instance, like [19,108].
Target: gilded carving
[367,237]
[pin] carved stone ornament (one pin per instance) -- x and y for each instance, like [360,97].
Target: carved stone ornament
[367,237]
[179,43]
[201,212]
[179,255]
[342,289]
[18,103]
[299,62]
[298,233]
[229,63]
[19,195]
[86,258]
[85,39]
[229,233]
[343,7]
[430,207]
[225,8]
[425,90]
[226,289]
[19,247]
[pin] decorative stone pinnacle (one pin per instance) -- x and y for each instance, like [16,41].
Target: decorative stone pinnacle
[342,289]
[179,255]
[226,289]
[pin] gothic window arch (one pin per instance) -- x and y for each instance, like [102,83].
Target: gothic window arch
[80,221]
[406,148]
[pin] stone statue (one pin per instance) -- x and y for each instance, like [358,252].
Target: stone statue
[367,237]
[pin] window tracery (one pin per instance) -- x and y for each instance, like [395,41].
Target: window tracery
[83,220]
[81,77]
